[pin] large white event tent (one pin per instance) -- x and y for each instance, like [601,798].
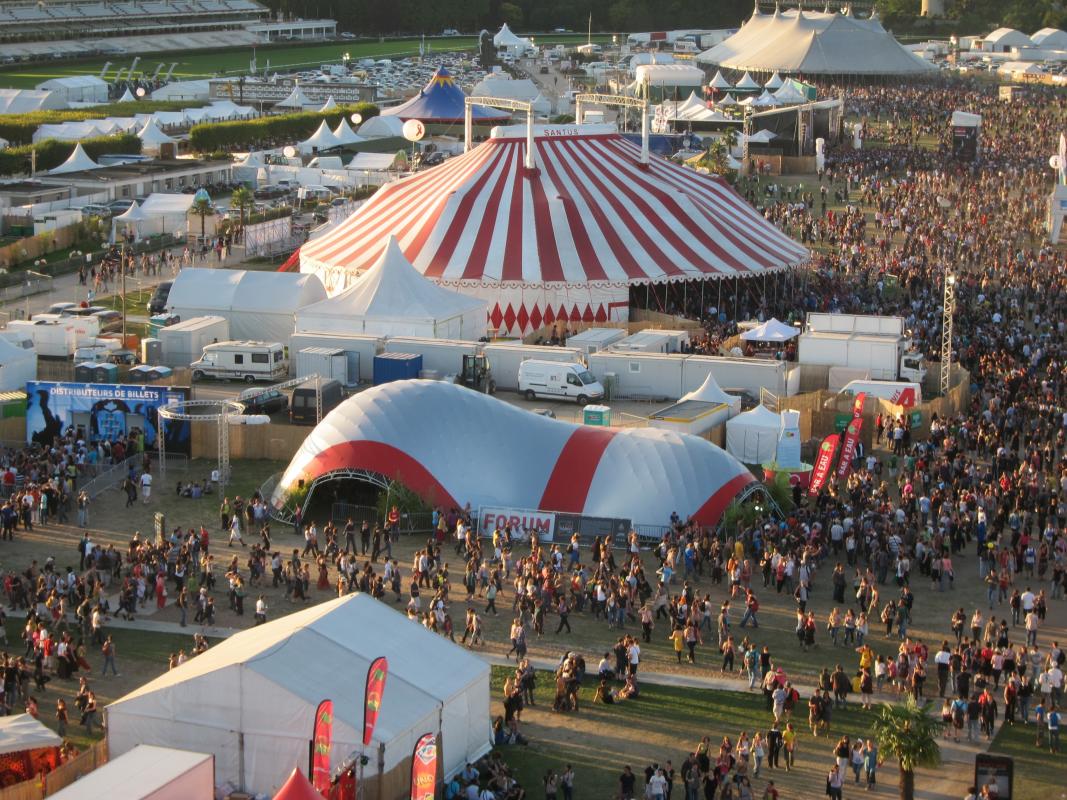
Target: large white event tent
[17,366]
[381,127]
[432,437]
[773,330]
[392,298]
[258,305]
[23,101]
[565,241]
[77,161]
[251,698]
[814,43]
[752,437]
[320,140]
[152,138]
[505,39]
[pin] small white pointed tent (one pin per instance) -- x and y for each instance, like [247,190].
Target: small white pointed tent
[765,100]
[132,217]
[699,411]
[77,161]
[692,105]
[752,437]
[382,127]
[127,97]
[772,330]
[17,366]
[727,101]
[505,38]
[392,298]
[747,84]
[322,139]
[775,82]
[251,159]
[789,94]
[296,99]
[329,105]
[720,82]
[344,134]
[762,136]
[152,138]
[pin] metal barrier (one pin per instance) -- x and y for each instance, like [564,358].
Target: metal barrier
[111,476]
[651,534]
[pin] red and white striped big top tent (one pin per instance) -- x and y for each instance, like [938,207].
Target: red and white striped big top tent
[563,240]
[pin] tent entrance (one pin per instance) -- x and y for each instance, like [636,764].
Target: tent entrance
[345,492]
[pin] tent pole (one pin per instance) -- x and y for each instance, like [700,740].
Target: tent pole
[700,316]
[467,124]
[530,137]
[644,132]
[737,299]
[646,297]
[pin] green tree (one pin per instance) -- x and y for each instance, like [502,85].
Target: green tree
[242,200]
[202,208]
[909,734]
[512,15]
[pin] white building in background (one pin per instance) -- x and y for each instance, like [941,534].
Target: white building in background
[77,88]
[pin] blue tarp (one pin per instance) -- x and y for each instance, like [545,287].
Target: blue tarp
[441,101]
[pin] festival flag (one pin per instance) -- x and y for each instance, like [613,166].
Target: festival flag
[424,768]
[322,740]
[823,463]
[857,404]
[372,703]
[848,448]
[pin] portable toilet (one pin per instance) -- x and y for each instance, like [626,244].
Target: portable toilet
[151,351]
[83,373]
[597,415]
[142,373]
[159,372]
[105,373]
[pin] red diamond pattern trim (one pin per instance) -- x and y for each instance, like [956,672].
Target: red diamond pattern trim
[535,318]
[522,318]
[509,317]
[495,316]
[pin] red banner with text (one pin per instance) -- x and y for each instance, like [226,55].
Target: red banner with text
[823,463]
[424,768]
[848,448]
[857,404]
[372,697]
[322,740]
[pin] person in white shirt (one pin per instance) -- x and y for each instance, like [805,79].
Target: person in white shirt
[146,486]
[633,653]
[657,785]
[261,610]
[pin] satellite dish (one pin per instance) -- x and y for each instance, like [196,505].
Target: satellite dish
[140,91]
[414,130]
[289,151]
[356,119]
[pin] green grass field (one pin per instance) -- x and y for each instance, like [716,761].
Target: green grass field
[201,64]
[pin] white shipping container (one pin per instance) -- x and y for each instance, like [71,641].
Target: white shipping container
[504,360]
[360,350]
[329,363]
[593,340]
[644,375]
[184,342]
[855,323]
[51,339]
[745,374]
[879,355]
[85,328]
[443,355]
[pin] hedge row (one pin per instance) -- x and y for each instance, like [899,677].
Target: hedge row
[19,128]
[245,134]
[52,152]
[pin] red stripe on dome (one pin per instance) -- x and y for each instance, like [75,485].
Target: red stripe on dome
[385,460]
[711,512]
[568,485]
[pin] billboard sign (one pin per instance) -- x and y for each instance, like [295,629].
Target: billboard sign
[523,520]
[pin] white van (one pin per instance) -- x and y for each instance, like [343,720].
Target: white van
[558,379]
[247,361]
[900,393]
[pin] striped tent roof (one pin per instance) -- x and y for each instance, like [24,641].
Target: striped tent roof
[589,213]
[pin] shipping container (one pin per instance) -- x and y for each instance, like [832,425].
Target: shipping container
[50,339]
[444,356]
[184,343]
[389,367]
[359,348]
[644,342]
[854,323]
[653,376]
[593,340]
[748,375]
[329,363]
[85,328]
[504,360]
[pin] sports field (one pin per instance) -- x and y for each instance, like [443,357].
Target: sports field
[201,64]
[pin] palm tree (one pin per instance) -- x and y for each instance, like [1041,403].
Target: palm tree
[202,208]
[242,200]
[909,734]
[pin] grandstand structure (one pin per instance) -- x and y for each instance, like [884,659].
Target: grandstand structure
[63,28]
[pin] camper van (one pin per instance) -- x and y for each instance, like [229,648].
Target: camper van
[302,406]
[900,393]
[558,379]
[247,361]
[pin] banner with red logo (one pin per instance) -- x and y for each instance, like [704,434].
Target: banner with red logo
[424,768]
[857,404]
[345,788]
[321,742]
[372,697]
[848,448]
[823,463]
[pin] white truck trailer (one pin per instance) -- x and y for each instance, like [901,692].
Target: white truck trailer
[880,346]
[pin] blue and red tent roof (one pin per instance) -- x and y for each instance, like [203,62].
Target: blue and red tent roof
[441,101]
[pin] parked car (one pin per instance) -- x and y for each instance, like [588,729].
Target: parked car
[110,321]
[96,210]
[257,401]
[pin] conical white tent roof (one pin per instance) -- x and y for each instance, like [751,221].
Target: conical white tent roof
[788,93]
[752,437]
[345,135]
[775,82]
[329,105]
[79,160]
[762,136]
[692,104]
[772,330]
[764,100]
[132,214]
[748,83]
[322,139]
[251,159]
[150,134]
[710,392]
[505,38]
[296,99]
[727,101]
[127,96]
[720,81]
[392,297]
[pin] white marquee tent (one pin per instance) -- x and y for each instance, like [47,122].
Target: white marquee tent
[393,298]
[77,161]
[258,305]
[381,127]
[699,411]
[772,330]
[251,699]
[296,99]
[17,366]
[344,134]
[322,139]
[77,88]
[512,89]
[152,138]
[23,101]
[24,732]
[752,437]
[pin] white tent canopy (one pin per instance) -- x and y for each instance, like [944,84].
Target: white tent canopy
[344,134]
[382,127]
[727,101]
[251,699]
[752,437]
[77,161]
[765,100]
[258,305]
[669,75]
[17,366]
[747,83]
[372,162]
[23,732]
[770,331]
[23,101]
[152,137]
[127,97]
[322,139]
[329,105]
[710,392]
[393,298]
[774,82]
[511,89]
[788,94]
[132,216]
[505,38]
[720,82]
[296,99]
[762,136]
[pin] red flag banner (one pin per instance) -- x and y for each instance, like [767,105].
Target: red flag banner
[857,404]
[372,697]
[424,768]
[322,740]
[823,463]
[848,448]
